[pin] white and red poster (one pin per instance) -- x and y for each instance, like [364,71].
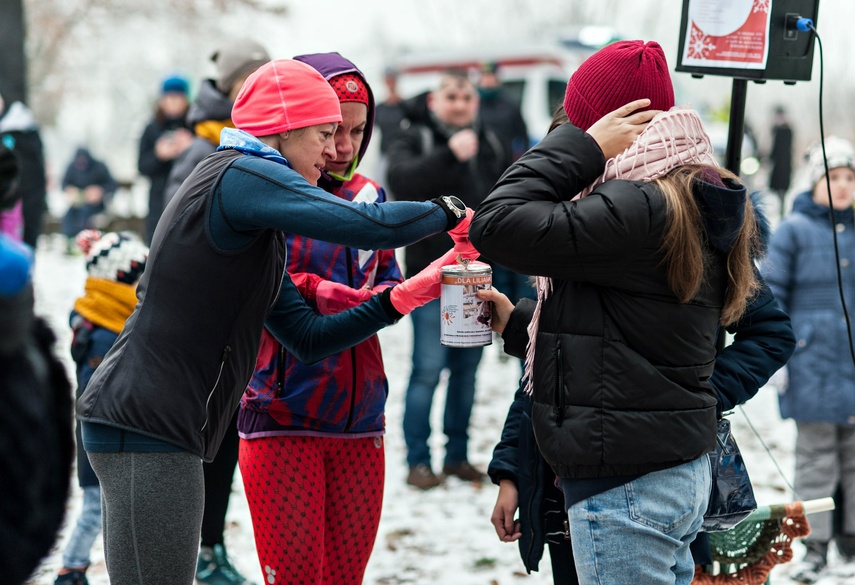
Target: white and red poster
[731,34]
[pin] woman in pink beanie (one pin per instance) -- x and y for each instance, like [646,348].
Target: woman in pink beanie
[160,402]
[643,248]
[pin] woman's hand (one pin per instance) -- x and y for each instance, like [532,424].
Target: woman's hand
[504,511]
[502,308]
[615,131]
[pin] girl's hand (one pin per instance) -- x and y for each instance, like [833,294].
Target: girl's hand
[503,513]
[615,131]
[502,308]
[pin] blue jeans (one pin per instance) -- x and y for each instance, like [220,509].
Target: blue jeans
[640,532]
[87,529]
[429,359]
[79,218]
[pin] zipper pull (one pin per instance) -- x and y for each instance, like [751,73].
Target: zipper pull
[567,529]
[226,352]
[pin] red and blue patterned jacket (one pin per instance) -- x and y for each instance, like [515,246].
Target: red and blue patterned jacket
[345,393]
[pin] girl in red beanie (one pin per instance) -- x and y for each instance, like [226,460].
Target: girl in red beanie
[643,248]
[160,402]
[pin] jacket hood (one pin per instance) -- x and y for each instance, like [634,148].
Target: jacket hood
[805,204]
[331,64]
[82,158]
[210,104]
[17,118]
[723,210]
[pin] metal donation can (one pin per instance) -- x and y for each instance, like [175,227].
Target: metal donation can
[465,319]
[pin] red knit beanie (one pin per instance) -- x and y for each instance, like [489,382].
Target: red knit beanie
[616,75]
[284,95]
[350,88]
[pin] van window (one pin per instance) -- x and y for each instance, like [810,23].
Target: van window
[513,89]
[555,92]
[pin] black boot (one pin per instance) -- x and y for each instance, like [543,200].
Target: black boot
[813,563]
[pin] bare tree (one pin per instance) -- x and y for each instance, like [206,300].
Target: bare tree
[61,30]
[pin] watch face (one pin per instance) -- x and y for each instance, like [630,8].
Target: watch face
[456,205]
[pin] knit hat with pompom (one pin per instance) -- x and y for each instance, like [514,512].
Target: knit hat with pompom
[120,257]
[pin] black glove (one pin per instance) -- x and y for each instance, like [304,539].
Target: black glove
[454,208]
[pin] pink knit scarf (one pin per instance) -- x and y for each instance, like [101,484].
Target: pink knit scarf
[673,138]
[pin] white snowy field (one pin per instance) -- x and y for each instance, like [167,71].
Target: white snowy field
[443,535]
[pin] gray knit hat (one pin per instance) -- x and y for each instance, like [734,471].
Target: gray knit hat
[236,58]
[840,153]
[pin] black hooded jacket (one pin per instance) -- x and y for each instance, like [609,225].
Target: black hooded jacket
[621,369]
[85,171]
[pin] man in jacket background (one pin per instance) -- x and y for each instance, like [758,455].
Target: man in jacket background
[441,149]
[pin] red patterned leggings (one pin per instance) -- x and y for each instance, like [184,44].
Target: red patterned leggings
[315,504]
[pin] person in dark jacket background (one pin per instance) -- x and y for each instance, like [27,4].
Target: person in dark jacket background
[163,140]
[36,434]
[210,112]
[442,149]
[501,114]
[781,157]
[19,132]
[88,185]
[802,269]
[640,260]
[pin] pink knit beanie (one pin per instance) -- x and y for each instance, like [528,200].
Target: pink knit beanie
[616,75]
[284,95]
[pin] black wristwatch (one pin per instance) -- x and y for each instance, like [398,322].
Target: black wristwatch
[455,205]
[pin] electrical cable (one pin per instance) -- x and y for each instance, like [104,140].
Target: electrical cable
[769,453]
[805,24]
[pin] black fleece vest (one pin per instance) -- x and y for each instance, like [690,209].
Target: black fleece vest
[179,367]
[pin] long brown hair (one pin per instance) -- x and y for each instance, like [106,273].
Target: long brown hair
[686,254]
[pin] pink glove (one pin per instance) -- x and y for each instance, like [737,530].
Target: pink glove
[423,287]
[460,232]
[460,235]
[306,283]
[330,297]
[335,297]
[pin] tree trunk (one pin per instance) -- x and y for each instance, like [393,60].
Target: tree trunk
[13,63]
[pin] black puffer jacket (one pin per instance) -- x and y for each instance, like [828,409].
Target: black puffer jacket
[621,371]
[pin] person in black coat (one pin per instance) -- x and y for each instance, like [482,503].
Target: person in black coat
[526,482]
[640,261]
[36,436]
[164,139]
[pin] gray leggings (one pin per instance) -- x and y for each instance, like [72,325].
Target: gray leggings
[151,508]
[825,459]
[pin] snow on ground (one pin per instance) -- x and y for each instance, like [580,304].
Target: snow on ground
[443,535]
